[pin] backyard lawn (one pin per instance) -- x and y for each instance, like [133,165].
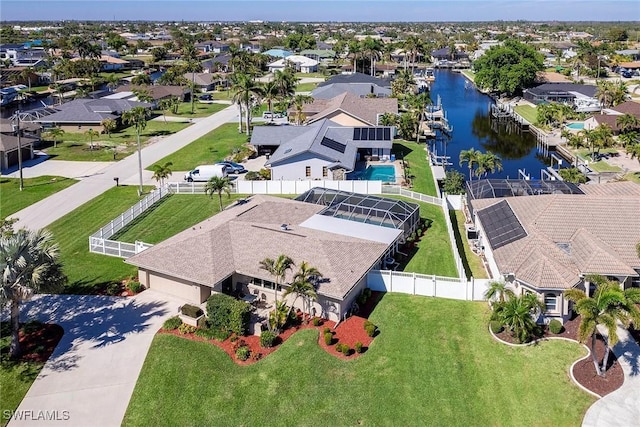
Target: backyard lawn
[211,148]
[529,113]
[433,363]
[415,155]
[75,145]
[13,200]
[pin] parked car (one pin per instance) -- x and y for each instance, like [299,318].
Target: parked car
[271,115]
[205,97]
[206,172]
[232,167]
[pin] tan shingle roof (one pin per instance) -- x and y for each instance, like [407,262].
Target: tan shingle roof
[237,239]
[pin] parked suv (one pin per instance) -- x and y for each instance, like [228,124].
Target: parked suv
[271,115]
[232,167]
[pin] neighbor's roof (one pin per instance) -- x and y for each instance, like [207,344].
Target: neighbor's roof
[572,234]
[237,239]
[364,109]
[90,110]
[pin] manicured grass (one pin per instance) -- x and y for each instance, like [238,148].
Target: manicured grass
[433,363]
[472,263]
[173,214]
[200,109]
[306,87]
[75,145]
[13,200]
[419,168]
[87,271]
[433,253]
[211,148]
[528,112]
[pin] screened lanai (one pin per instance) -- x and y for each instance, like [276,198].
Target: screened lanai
[494,188]
[365,208]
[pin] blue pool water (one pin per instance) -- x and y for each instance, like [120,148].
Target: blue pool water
[385,173]
[576,125]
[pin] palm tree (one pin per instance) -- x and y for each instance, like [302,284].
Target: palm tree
[298,103]
[137,117]
[499,290]
[278,269]
[471,157]
[245,90]
[55,134]
[29,261]
[517,314]
[271,93]
[161,172]
[91,134]
[303,285]
[608,306]
[218,185]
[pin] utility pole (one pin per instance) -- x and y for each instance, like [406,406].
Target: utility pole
[17,115]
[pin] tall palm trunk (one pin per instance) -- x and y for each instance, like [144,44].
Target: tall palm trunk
[14,349]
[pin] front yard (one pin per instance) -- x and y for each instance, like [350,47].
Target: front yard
[433,363]
[13,200]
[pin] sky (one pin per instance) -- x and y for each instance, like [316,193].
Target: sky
[322,10]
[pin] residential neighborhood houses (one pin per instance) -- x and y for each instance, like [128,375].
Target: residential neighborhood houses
[364,184]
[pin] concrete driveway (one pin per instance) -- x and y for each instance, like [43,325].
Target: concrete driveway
[94,368]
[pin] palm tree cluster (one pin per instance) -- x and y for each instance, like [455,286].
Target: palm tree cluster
[608,306]
[518,313]
[479,163]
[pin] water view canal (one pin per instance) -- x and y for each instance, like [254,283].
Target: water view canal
[467,110]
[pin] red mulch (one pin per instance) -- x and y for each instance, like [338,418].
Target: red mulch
[348,332]
[38,343]
[584,371]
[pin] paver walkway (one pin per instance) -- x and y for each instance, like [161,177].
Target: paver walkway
[46,211]
[94,369]
[622,407]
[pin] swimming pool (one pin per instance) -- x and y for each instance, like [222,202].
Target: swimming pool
[385,173]
[575,125]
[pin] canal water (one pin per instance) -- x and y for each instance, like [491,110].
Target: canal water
[467,110]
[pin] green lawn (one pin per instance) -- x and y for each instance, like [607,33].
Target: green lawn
[211,148]
[528,112]
[434,363]
[172,215]
[472,263]
[87,271]
[415,155]
[13,200]
[75,145]
[200,109]
[306,87]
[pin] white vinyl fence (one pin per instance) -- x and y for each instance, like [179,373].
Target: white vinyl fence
[426,285]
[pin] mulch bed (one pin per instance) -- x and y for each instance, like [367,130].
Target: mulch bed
[37,341]
[584,372]
[348,332]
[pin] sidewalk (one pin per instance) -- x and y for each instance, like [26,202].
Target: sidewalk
[622,407]
[46,211]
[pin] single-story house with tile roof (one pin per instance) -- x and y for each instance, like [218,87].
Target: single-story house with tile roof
[222,254]
[81,115]
[359,84]
[349,109]
[549,243]
[300,64]
[322,150]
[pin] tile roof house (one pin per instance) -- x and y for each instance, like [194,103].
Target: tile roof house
[549,243]
[349,109]
[223,253]
[322,150]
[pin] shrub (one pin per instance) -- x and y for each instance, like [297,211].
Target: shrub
[228,314]
[135,286]
[358,347]
[114,289]
[327,330]
[555,326]
[328,338]
[191,311]
[186,329]
[243,352]
[371,329]
[267,338]
[496,326]
[172,323]
[316,321]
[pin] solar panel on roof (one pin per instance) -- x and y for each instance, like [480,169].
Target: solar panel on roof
[334,145]
[501,224]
